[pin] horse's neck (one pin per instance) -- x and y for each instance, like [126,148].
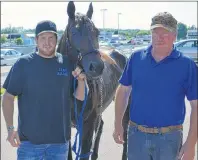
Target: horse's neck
[105,86]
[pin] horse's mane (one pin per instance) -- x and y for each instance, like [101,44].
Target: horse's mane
[82,19]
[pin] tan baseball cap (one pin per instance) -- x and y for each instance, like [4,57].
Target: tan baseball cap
[164,20]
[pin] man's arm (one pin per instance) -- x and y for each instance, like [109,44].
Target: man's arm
[121,102]
[14,86]
[192,96]
[80,90]
[187,152]
[192,134]
[8,108]
[8,112]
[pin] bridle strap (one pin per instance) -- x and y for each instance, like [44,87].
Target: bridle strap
[80,56]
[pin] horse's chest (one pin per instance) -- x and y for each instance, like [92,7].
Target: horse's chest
[109,83]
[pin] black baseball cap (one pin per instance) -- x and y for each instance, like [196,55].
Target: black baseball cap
[45,26]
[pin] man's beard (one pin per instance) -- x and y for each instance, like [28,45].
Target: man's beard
[50,53]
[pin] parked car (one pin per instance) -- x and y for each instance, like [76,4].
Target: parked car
[103,43]
[135,42]
[188,47]
[114,42]
[9,56]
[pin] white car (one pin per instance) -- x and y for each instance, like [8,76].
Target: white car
[103,43]
[188,47]
[9,56]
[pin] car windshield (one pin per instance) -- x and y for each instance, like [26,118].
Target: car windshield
[3,52]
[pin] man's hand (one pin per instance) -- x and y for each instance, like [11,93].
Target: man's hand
[187,152]
[13,138]
[77,73]
[121,102]
[82,82]
[118,134]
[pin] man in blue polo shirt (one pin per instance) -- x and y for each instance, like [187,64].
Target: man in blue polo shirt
[158,78]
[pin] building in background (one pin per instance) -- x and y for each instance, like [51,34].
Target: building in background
[28,39]
[192,34]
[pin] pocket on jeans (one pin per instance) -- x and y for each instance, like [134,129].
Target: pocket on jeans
[175,135]
[132,130]
[55,149]
[174,140]
[24,152]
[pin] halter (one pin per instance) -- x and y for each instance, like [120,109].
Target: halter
[80,55]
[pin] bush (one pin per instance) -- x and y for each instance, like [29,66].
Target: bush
[19,41]
[3,39]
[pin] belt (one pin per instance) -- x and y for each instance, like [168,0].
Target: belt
[156,130]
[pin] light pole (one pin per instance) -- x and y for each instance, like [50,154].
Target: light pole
[118,22]
[103,16]
[10,26]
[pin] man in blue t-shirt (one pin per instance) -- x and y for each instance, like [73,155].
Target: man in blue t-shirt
[158,79]
[43,83]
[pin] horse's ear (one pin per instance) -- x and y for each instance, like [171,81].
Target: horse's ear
[90,10]
[71,10]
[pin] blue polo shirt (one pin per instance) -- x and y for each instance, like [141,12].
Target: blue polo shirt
[159,88]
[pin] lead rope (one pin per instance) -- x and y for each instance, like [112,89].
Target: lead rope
[80,125]
[100,115]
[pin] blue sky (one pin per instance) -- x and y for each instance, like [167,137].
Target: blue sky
[134,14]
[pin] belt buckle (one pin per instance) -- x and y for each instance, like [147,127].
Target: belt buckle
[166,129]
[156,130]
[140,127]
[144,128]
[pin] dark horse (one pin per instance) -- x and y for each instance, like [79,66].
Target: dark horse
[80,43]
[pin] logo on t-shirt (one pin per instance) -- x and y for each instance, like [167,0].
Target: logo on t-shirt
[62,72]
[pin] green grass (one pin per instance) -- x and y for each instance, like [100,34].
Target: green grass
[2,90]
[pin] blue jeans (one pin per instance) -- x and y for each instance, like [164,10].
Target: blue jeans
[145,146]
[29,151]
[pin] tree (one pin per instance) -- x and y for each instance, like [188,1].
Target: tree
[193,27]
[143,32]
[182,31]
[116,32]
[19,41]
[3,39]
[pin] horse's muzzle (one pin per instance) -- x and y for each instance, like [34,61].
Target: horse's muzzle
[92,65]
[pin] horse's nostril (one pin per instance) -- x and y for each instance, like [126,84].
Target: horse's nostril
[91,67]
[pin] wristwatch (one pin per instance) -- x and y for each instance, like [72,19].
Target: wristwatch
[10,128]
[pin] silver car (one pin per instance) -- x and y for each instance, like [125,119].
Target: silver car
[9,56]
[188,47]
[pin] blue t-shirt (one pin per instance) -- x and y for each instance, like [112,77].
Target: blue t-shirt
[44,90]
[159,88]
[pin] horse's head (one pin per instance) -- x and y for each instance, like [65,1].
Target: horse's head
[82,42]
